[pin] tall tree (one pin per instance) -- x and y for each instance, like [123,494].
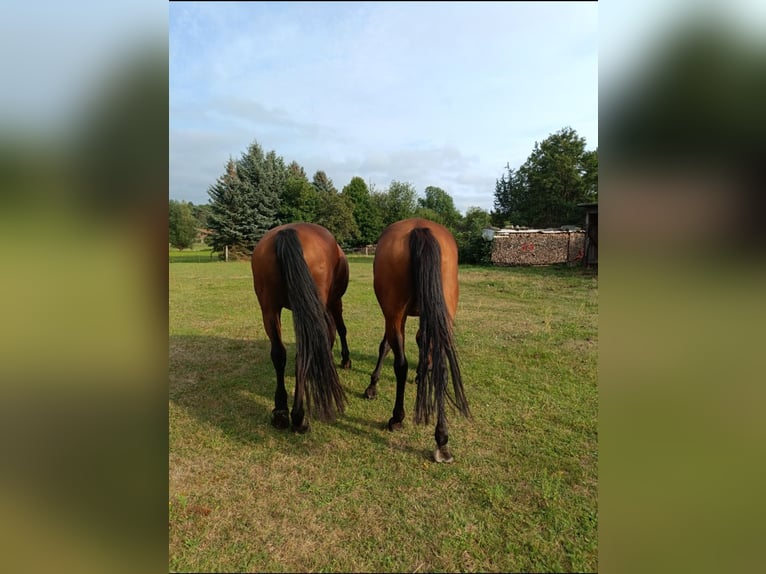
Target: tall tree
[545,190]
[333,211]
[368,219]
[300,200]
[263,177]
[440,203]
[183,224]
[397,203]
[245,200]
[472,247]
[510,196]
[336,213]
[227,219]
[200,213]
[322,183]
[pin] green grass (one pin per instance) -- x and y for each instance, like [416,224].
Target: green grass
[351,496]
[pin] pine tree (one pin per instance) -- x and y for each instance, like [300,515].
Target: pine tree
[322,183]
[226,210]
[246,200]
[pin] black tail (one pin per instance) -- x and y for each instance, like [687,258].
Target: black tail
[314,361]
[435,330]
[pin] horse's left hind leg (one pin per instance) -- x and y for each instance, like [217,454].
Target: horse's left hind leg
[396,340]
[273,325]
[372,389]
[336,310]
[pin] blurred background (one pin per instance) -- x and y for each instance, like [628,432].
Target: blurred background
[682,312]
[83,296]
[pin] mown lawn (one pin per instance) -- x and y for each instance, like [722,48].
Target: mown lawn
[351,496]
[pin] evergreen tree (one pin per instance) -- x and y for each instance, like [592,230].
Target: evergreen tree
[245,200]
[200,213]
[262,178]
[510,195]
[322,183]
[227,216]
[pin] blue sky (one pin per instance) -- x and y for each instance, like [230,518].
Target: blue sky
[441,94]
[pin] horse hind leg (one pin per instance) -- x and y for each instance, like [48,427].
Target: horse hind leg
[442,452]
[372,389]
[337,315]
[396,340]
[300,422]
[280,414]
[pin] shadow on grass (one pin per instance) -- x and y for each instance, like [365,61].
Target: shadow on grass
[230,384]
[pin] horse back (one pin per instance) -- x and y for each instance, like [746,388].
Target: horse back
[392,267]
[324,259]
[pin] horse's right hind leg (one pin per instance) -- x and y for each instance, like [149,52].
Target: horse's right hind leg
[280,416]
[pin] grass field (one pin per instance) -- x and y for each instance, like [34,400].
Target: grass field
[351,496]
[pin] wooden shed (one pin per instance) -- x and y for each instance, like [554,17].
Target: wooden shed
[590,257]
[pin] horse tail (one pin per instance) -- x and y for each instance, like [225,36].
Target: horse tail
[437,339]
[314,360]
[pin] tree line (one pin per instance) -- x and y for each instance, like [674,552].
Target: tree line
[259,191]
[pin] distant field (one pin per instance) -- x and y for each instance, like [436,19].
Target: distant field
[351,496]
[199,253]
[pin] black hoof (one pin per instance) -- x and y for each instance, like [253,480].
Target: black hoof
[346,364]
[303,429]
[370,392]
[394,425]
[280,419]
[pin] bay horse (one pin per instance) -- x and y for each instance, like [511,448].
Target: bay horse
[300,267]
[415,274]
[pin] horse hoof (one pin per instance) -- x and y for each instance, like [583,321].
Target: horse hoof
[303,429]
[345,364]
[280,419]
[370,392]
[442,454]
[394,425]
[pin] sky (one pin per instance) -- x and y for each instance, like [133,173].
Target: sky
[432,94]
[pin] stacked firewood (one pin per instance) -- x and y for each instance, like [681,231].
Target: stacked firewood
[538,248]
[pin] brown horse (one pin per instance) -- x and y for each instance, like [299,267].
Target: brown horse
[415,274]
[300,266]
